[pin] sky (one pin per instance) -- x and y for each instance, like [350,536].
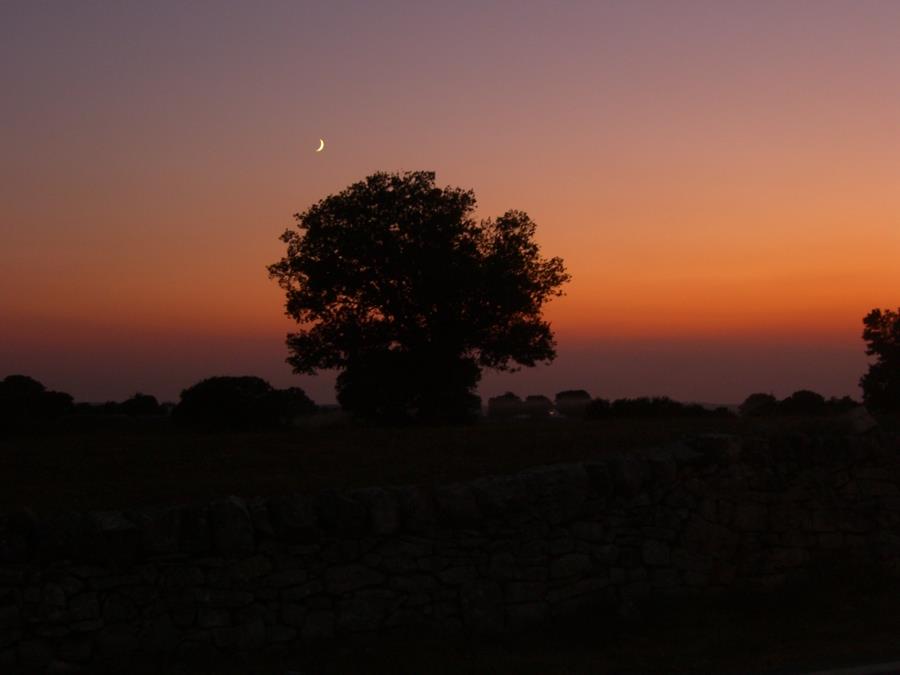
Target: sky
[721,179]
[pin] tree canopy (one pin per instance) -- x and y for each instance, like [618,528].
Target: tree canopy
[394,283]
[881,384]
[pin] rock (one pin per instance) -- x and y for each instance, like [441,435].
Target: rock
[195,533]
[9,617]
[232,528]
[341,515]
[481,603]
[213,617]
[75,649]
[35,653]
[258,508]
[526,614]
[570,565]
[499,496]
[217,597]
[417,508]
[115,642]
[627,474]
[351,577]
[118,608]
[293,614]
[319,624]
[589,531]
[118,538]
[750,517]
[383,509]
[159,528]
[599,477]
[656,553]
[525,591]
[278,633]
[293,519]
[287,578]
[160,635]
[365,610]
[457,506]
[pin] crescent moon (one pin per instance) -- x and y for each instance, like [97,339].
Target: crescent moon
[321,145]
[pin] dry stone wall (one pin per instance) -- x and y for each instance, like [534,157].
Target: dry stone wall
[706,515]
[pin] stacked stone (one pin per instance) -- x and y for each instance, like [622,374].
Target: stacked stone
[710,514]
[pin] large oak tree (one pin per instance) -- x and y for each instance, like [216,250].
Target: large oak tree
[396,285]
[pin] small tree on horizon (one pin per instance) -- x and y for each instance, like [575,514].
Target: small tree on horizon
[394,284]
[881,384]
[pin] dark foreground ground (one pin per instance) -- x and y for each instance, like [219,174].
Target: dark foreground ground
[843,619]
[129,467]
[846,619]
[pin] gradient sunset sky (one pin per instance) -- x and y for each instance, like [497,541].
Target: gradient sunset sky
[721,178]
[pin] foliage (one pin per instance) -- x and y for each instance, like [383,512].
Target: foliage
[572,402]
[802,403]
[239,403]
[758,405]
[881,384]
[505,406]
[394,283]
[538,406]
[650,407]
[26,404]
[140,404]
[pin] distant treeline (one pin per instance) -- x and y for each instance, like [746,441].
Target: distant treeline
[234,403]
[579,404]
[251,403]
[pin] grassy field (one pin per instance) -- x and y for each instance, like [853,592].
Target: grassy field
[120,468]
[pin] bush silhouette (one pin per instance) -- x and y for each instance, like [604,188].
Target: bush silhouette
[598,409]
[140,404]
[881,384]
[505,406]
[572,403]
[803,402]
[759,405]
[537,406]
[239,403]
[649,407]
[396,285]
[394,386]
[25,404]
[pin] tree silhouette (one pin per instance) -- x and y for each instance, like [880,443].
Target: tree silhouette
[881,384]
[396,285]
[26,404]
[240,403]
[572,402]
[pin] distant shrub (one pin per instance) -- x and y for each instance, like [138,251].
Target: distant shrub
[839,406]
[140,404]
[572,403]
[758,405]
[537,406]
[803,402]
[240,403]
[291,403]
[505,406]
[598,409]
[25,404]
[650,407]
